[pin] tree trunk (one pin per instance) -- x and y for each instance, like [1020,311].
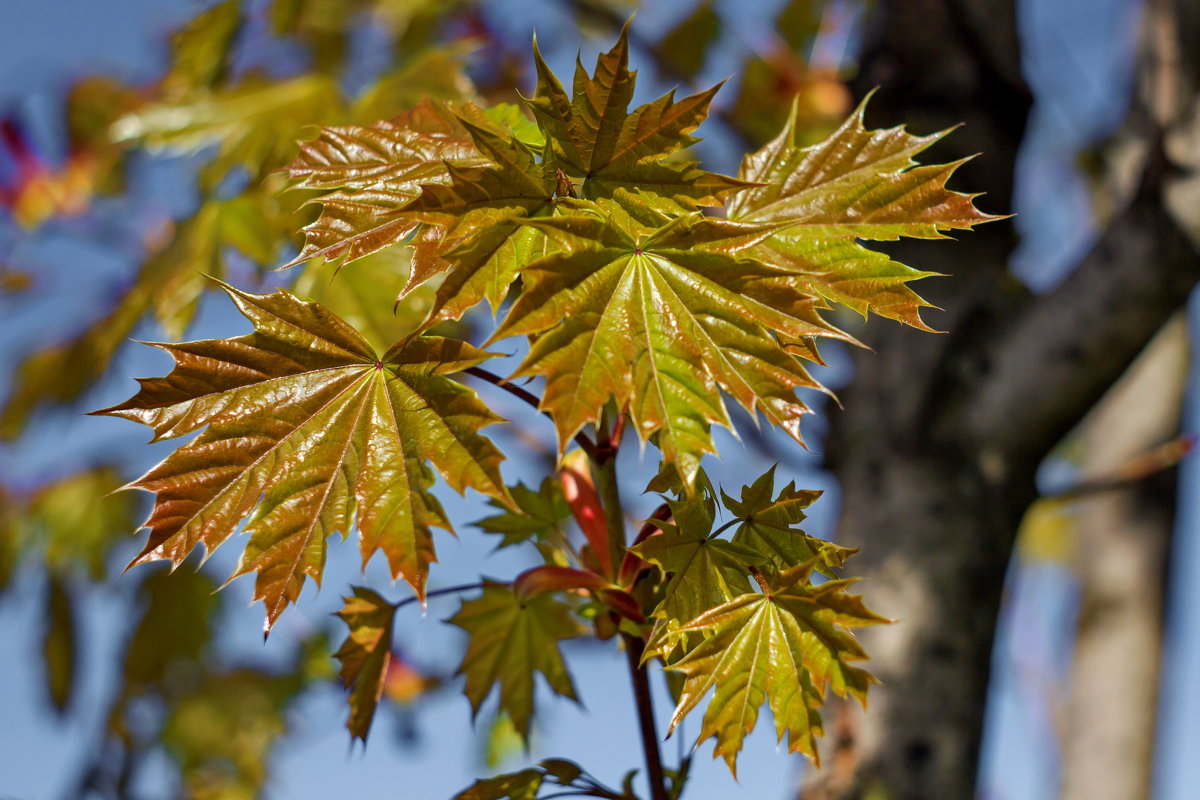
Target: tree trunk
[1123,538]
[940,436]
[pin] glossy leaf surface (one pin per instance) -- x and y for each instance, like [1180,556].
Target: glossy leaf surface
[305,425]
[783,648]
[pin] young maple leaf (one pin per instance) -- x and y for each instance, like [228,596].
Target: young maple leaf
[306,424]
[368,173]
[594,138]
[365,655]
[702,572]
[784,648]
[511,639]
[476,218]
[662,319]
[856,184]
[767,526]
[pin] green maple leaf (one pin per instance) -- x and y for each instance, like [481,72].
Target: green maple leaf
[662,320]
[856,184]
[783,648]
[371,172]
[306,424]
[536,513]
[702,572]
[476,217]
[365,655]
[525,784]
[768,526]
[594,138]
[510,640]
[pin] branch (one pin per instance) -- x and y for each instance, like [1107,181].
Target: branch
[645,708]
[462,587]
[1054,363]
[532,399]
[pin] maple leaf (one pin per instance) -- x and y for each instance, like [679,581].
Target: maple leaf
[856,184]
[662,319]
[594,138]
[365,654]
[783,648]
[701,572]
[476,216]
[306,423]
[525,784]
[371,172]
[768,526]
[537,513]
[510,640]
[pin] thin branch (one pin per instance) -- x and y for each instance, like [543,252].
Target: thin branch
[641,692]
[462,587]
[533,400]
[1132,472]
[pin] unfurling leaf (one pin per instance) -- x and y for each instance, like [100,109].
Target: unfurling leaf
[365,655]
[510,640]
[306,424]
[856,184]
[783,648]
[768,526]
[595,139]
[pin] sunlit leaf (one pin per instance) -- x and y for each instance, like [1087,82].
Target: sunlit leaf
[662,320]
[857,184]
[306,424]
[536,515]
[768,526]
[783,648]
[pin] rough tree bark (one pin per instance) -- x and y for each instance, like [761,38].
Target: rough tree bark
[940,436]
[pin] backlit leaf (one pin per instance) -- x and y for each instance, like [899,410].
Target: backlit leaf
[856,184]
[768,526]
[510,640]
[306,424]
[613,151]
[365,655]
[371,172]
[784,649]
[662,320]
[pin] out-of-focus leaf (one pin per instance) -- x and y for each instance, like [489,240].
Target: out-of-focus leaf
[306,424]
[662,320]
[59,644]
[537,513]
[79,518]
[365,293]
[199,50]
[511,640]
[253,125]
[782,648]
[174,629]
[365,655]
[798,22]
[169,284]
[503,741]
[222,733]
[857,184]
[684,48]
[768,526]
